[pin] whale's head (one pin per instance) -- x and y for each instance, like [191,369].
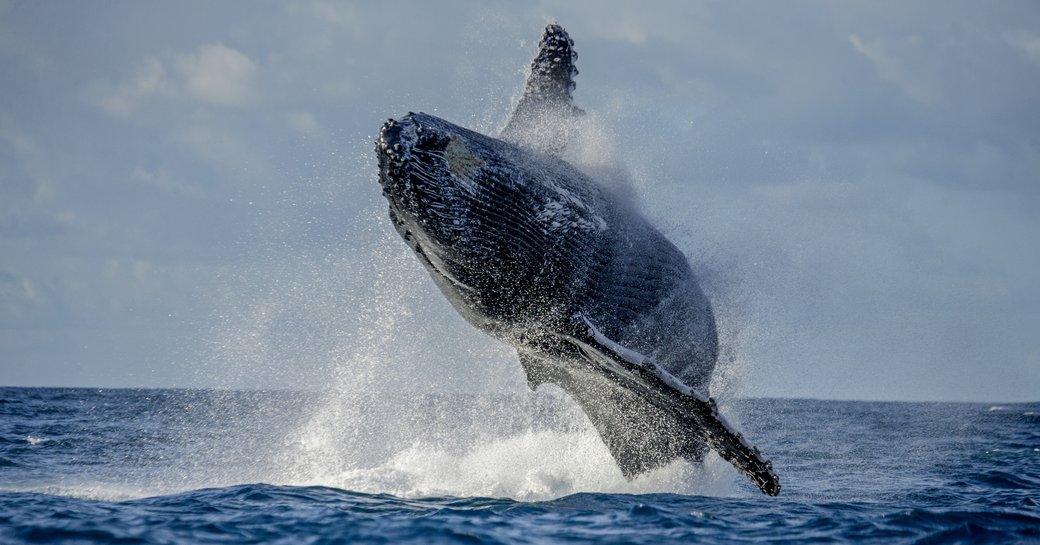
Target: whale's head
[456,205]
[473,207]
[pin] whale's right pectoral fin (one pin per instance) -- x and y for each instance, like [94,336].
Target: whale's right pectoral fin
[639,436]
[697,412]
[538,371]
[544,117]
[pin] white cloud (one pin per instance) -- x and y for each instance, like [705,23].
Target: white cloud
[1026,42]
[18,141]
[625,30]
[219,75]
[340,89]
[338,14]
[213,74]
[32,164]
[150,79]
[303,122]
[161,179]
[18,297]
[893,68]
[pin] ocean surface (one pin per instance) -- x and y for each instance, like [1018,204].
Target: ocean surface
[178,466]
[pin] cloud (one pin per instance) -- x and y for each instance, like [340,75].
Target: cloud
[303,122]
[20,299]
[163,180]
[218,75]
[893,68]
[150,80]
[342,15]
[213,74]
[26,153]
[625,30]
[1026,42]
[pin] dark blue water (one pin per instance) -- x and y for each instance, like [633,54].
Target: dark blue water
[136,466]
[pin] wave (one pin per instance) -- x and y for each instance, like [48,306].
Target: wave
[259,513]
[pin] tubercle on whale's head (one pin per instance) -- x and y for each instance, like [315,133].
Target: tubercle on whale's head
[394,153]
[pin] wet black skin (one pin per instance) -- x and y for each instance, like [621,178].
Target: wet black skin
[495,252]
[537,254]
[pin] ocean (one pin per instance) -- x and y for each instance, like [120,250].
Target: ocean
[210,466]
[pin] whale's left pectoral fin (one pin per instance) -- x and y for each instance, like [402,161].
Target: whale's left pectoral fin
[544,117]
[698,412]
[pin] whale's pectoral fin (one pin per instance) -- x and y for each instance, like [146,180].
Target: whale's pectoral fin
[538,371]
[544,116]
[639,436]
[697,412]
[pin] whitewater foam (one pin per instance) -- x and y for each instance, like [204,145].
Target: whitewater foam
[528,466]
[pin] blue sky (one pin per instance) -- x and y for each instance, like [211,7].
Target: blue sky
[188,192]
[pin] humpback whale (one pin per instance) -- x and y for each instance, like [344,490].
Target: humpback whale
[536,253]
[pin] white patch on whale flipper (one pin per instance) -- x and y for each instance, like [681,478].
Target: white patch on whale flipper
[668,379]
[635,358]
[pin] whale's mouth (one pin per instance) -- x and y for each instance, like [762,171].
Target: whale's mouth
[410,173]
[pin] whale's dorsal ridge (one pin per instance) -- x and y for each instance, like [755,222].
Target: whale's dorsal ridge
[545,113]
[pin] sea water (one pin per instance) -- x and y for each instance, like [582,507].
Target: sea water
[183,466]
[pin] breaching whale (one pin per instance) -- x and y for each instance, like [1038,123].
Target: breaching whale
[534,252]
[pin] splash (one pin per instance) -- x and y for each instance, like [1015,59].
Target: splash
[414,402]
[368,434]
[528,466]
[528,447]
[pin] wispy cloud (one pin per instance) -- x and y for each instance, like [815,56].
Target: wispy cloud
[161,179]
[339,14]
[218,75]
[893,68]
[1026,42]
[122,99]
[212,74]
[303,122]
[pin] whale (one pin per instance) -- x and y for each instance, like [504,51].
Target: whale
[540,255]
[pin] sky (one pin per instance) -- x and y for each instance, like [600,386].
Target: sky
[188,193]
